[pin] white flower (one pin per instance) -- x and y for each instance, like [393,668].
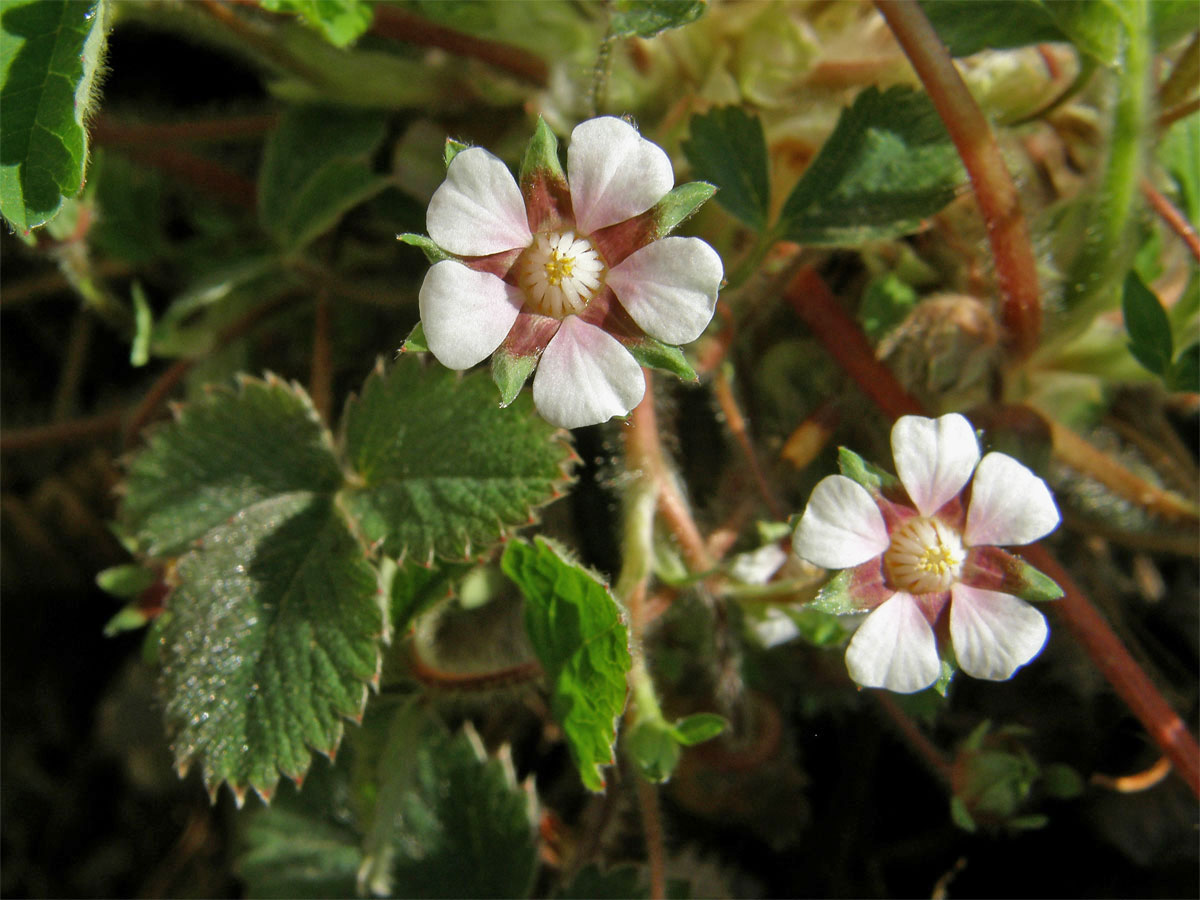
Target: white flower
[921,563]
[565,274]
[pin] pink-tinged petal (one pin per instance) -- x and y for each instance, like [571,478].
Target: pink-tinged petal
[614,173]
[478,209]
[670,287]
[841,526]
[586,377]
[466,314]
[994,634]
[934,458]
[894,648]
[1010,505]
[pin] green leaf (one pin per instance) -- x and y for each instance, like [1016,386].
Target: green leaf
[1096,27]
[1177,153]
[447,821]
[654,749]
[646,18]
[886,301]
[315,168]
[439,468]
[50,51]
[888,165]
[594,883]
[681,201]
[698,728]
[869,475]
[655,354]
[968,26]
[273,631]
[130,204]
[432,251]
[728,148]
[291,853]
[416,588]
[1149,330]
[1185,371]
[510,372]
[341,22]
[576,630]
[1062,782]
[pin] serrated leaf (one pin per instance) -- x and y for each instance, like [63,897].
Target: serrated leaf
[869,475]
[1149,329]
[655,354]
[273,636]
[446,820]
[576,630]
[432,251]
[296,854]
[888,165]
[222,457]
[439,468]
[968,26]
[50,51]
[698,728]
[416,588]
[341,22]
[316,166]
[681,201]
[728,148]
[646,18]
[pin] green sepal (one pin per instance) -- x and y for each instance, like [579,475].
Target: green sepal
[451,149]
[949,667]
[654,354]
[869,475]
[510,372]
[432,251]
[681,202]
[698,728]
[835,597]
[654,748]
[541,156]
[128,580]
[1032,585]
[415,342]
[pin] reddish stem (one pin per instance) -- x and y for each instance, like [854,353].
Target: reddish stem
[114,133]
[209,177]
[736,423]
[15,440]
[1172,216]
[1182,111]
[847,344]
[999,203]
[397,24]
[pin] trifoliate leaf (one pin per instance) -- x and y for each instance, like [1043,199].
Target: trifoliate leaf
[50,51]
[445,821]
[439,468]
[727,147]
[576,630]
[646,18]
[968,26]
[341,22]
[888,165]
[1149,329]
[315,168]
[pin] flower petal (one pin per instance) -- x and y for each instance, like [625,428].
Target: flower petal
[841,526]
[614,173]
[1009,505]
[934,458]
[586,377]
[994,634]
[466,314]
[670,287]
[894,648]
[478,209]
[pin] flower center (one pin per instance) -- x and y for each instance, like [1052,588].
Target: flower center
[925,555]
[560,273]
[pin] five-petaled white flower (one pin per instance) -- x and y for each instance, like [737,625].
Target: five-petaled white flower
[569,270]
[928,565]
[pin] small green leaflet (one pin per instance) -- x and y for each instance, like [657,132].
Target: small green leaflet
[341,22]
[50,51]
[646,18]
[968,26]
[576,630]
[727,147]
[888,165]
[1150,339]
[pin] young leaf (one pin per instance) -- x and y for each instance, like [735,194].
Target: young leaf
[646,18]
[315,168]
[888,165]
[294,854]
[728,148]
[440,468]
[1149,329]
[968,26]
[340,21]
[50,51]
[576,630]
